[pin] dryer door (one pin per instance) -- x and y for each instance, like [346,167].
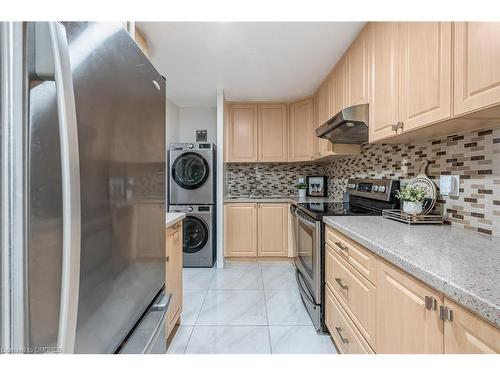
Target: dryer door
[196,234]
[190,170]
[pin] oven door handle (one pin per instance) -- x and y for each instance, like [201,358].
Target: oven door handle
[305,289]
[306,222]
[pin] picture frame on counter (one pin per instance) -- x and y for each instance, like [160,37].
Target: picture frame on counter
[316,186]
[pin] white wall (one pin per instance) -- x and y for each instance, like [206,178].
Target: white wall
[197,118]
[172,122]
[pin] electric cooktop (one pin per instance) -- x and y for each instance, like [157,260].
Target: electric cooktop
[318,210]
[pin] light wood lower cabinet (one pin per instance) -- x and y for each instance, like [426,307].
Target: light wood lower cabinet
[363,261]
[240,229]
[256,229]
[355,293]
[466,334]
[396,314]
[404,324]
[344,333]
[272,230]
[173,280]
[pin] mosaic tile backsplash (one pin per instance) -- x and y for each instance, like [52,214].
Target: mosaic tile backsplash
[475,156]
[266,179]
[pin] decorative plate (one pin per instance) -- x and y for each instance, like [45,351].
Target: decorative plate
[430,187]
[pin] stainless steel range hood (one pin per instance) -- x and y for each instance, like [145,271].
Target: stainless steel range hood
[349,126]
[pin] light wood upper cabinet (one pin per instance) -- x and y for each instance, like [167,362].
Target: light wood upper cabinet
[477,65]
[339,101]
[240,234]
[384,90]
[173,280]
[358,70]
[301,131]
[242,141]
[467,334]
[272,132]
[273,230]
[425,73]
[404,324]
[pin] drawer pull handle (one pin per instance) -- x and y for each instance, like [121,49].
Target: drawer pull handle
[339,281]
[341,246]
[339,332]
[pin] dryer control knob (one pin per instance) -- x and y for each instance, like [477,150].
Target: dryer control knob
[190,209]
[190,145]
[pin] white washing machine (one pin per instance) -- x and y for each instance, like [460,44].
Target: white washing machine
[198,234]
[192,173]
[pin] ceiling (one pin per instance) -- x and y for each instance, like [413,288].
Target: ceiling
[249,60]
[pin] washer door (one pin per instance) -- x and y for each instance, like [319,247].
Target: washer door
[190,170]
[196,234]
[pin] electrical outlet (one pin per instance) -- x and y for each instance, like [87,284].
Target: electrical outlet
[449,185]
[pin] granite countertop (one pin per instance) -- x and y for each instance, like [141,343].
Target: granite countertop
[281,199]
[174,217]
[462,264]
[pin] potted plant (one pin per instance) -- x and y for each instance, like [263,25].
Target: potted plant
[413,198]
[302,187]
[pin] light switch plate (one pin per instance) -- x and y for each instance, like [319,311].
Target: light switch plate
[449,185]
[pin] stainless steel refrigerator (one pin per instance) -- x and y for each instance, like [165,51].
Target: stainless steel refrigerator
[93,253]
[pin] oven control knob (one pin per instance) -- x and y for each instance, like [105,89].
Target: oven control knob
[381,189]
[375,188]
[351,186]
[190,145]
[190,209]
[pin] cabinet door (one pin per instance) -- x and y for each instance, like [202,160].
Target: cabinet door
[242,132]
[301,131]
[173,280]
[273,230]
[357,70]
[240,229]
[404,324]
[149,224]
[384,79]
[272,132]
[425,73]
[338,83]
[467,334]
[477,66]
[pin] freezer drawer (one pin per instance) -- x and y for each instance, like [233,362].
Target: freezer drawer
[149,335]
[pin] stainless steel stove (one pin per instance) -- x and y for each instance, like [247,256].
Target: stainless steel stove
[367,197]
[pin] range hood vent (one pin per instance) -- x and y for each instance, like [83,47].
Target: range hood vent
[349,126]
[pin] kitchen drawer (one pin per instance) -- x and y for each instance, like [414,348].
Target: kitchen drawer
[356,294]
[364,261]
[344,333]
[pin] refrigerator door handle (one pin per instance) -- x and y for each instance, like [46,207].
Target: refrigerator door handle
[70,172]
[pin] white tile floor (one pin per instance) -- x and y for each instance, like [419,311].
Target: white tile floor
[245,308]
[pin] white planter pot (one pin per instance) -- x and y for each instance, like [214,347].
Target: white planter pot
[302,193]
[412,208]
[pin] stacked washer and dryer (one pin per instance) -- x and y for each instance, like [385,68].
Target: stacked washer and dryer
[192,190]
